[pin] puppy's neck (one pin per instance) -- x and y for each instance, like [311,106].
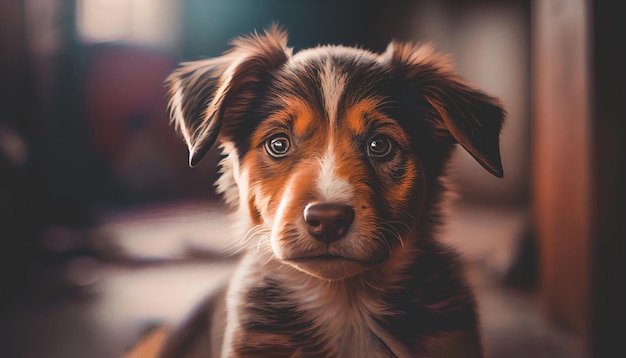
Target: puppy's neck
[346,311]
[337,315]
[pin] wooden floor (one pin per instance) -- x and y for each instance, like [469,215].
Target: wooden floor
[155,264]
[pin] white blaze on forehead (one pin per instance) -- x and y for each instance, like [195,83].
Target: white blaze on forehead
[333,84]
[331,187]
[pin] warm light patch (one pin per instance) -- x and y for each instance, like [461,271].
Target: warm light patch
[153,22]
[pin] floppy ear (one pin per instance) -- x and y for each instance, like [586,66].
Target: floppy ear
[204,94]
[473,118]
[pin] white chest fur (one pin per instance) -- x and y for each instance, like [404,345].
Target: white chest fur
[345,317]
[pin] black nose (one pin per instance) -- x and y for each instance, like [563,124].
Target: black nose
[328,222]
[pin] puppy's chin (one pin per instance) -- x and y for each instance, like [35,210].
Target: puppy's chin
[328,268]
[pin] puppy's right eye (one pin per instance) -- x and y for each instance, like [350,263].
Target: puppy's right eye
[380,147]
[277,146]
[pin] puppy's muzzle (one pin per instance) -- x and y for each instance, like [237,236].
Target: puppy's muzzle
[328,222]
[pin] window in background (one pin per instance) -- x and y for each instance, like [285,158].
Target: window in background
[146,22]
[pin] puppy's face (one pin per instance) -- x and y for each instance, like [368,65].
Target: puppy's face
[331,172]
[333,155]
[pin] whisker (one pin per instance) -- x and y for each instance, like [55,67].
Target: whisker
[399,223]
[387,227]
[247,239]
[380,237]
[262,240]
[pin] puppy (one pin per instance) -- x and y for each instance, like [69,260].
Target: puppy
[333,163]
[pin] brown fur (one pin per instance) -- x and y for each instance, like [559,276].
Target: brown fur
[369,136]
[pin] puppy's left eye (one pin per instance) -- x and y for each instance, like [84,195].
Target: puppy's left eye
[277,146]
[379,147]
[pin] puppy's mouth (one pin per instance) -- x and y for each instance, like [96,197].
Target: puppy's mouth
[325,258]
[333,262]
[328,267]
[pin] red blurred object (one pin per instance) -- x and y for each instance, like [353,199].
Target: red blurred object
[126,109]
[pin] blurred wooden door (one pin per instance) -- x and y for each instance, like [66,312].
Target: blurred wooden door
[579,163]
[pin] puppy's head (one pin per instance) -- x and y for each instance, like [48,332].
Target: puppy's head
[333,155]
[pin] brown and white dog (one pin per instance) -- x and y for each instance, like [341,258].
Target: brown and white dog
[334,161]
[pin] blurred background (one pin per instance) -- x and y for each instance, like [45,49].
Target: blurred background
[106,231]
